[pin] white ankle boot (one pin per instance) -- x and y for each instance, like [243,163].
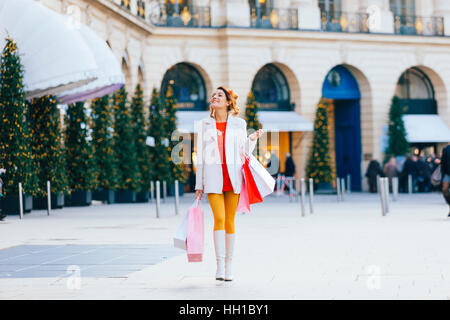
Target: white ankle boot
[219,245]
[229,245]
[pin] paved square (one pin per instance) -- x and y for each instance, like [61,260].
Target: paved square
[345,250]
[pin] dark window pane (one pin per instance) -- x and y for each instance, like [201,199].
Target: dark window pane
[188,86]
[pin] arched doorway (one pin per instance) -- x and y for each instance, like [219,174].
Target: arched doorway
[272,94]
[188,86]
[189,90]
[341,87]
[417,94]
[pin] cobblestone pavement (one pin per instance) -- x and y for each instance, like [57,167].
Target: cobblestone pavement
[344,250]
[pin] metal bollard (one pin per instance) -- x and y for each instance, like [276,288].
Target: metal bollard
[49,198]
[164,191]
[349,183]
[386,193]
[342,188]
[20,201]
[157,198]
[302,195]
[381,193]
[378,183]
[395,188]
[152,190]
[338,189]
[410,186]
[311,195]
[176,197]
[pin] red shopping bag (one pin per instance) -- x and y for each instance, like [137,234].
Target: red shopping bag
[243,204]
[195,234]
[253,193]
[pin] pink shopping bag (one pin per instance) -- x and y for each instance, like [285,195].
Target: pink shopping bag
[195,233]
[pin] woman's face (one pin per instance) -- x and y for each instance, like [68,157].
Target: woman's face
[219,100]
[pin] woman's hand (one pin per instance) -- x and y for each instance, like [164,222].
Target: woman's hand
[256,134]
[199,194]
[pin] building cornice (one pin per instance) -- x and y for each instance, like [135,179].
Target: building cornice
[270,35]
[124,14]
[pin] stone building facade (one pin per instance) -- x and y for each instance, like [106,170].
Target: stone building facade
[229,42]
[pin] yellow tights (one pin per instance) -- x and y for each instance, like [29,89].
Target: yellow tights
[224,207]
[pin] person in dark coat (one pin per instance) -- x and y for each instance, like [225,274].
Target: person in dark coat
[373,171]
[424,175]
[289,166]
[445,172]
[409,168]
[390,171]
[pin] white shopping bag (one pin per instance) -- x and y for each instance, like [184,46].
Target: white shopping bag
[179,239]
[264,181]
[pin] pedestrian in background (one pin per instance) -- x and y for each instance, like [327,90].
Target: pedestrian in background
[445,172]
[390,170]
[289,166]
[424,175]
[435,162]
[409,169]
[372,173]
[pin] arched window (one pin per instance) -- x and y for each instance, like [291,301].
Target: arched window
[188,86]
[416,91]
[271,89]
[126,71]
[414,84]
[141,79]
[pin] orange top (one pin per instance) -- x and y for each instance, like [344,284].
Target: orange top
[221,128]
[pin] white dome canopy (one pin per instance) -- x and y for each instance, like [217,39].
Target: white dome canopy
[109,73]
[54,54]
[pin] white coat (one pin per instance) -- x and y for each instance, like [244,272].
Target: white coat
[209,176]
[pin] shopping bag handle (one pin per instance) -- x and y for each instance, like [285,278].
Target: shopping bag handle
[197,203]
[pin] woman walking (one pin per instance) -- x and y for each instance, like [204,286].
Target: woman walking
[222,143]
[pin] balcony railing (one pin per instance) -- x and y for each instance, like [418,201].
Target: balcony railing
[277,19]
[338,21]
[415,25]
[170,15]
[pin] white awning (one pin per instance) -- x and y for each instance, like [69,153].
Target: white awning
[109,74]
[426,128]
[54,55]
[284,121]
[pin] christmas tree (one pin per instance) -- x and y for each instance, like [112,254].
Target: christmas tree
[251,116]
[80,164]
[124,148]
[140,135]
[398,145]
[15,152]
[46,143]
[102,143]
[176,169]
[319,162]
[159,148]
